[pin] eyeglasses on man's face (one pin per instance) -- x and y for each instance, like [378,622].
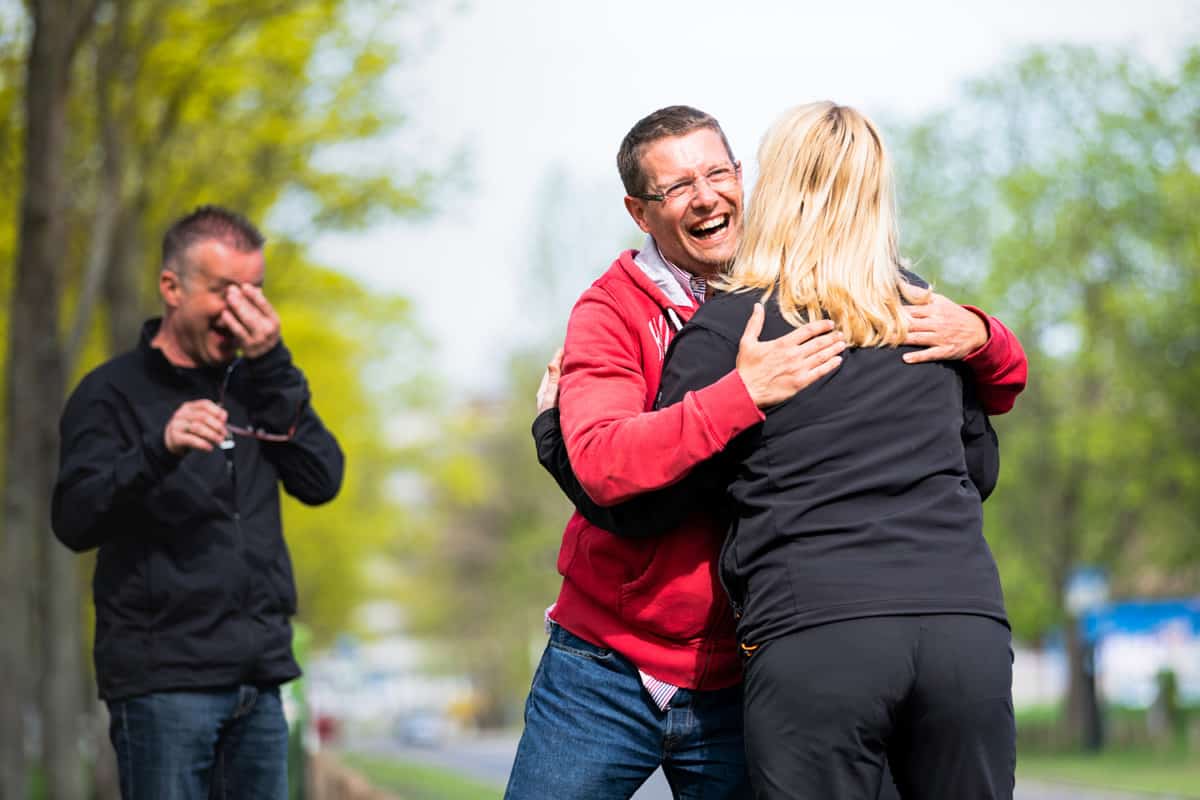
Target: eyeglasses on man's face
[718,179]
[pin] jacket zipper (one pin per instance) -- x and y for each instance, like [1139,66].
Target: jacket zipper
[228,446]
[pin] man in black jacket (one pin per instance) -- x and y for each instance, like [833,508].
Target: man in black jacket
[171,460]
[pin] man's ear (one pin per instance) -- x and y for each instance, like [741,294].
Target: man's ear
[637,209]
[170,286]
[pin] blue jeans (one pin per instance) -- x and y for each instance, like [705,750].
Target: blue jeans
[206,745]
[592,731]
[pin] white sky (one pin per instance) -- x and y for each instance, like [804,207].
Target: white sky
[524,85]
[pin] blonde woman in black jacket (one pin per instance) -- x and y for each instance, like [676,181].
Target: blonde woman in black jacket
[869,606]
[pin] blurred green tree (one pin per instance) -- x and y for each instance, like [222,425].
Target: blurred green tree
[278,110]
[483,570]
[1060,194]
[38,580]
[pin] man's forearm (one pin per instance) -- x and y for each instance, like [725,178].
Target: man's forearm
[617,447]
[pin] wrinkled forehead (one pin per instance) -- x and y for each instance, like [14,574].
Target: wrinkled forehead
[693,153]
[216,260]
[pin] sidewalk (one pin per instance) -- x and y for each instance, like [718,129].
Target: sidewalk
[488,758]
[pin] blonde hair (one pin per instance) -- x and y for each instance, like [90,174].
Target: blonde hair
[821,225]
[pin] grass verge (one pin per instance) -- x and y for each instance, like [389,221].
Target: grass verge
[419,782]
[1174,772]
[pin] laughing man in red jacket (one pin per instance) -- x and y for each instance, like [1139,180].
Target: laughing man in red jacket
[641,669]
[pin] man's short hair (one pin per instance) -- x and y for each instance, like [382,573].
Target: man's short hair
[666,122]
[208,222]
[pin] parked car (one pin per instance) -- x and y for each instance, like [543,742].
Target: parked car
[422,728]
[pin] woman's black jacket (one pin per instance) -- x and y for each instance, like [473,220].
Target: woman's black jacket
[861,496]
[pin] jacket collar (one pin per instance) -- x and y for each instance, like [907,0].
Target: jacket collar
[151,355]
[654,267]
[158,364]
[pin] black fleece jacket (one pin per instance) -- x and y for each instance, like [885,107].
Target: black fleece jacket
[859,497]
[193,584]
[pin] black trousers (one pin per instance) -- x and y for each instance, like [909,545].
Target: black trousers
[931,695]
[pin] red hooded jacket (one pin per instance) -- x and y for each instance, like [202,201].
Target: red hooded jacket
[658,601]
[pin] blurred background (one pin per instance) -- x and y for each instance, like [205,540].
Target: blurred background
[437,181]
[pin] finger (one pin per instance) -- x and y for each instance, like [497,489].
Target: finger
[829,351]
[193,441]
[925,325]
[555,365]
[923,338]
[915,294]
[917,312]
[808,331]
[205,425]
[811,374]
[259,300]
[209,426]
[245,311]
[818,360]
[243,303]
[819,343]
[754,326]
[235,326]
[265,313]
[200,407]
[182,436]
[824,368]
[547,393]
[928,354]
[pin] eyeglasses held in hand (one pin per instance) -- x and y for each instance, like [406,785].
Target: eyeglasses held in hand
[253,433]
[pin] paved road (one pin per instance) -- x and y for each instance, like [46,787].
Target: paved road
[488,759]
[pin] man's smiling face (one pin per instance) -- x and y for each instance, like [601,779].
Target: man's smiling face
[699,230]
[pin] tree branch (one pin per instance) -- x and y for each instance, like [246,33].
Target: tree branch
[109,200]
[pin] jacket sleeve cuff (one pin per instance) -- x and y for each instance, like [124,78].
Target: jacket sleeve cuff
[278,357]
[154,465]
[544,422]
[545,425]
[727,408]
[985,357]
[275,392]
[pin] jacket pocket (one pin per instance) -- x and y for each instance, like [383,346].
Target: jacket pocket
[674,597]
[570,543]
[283,581]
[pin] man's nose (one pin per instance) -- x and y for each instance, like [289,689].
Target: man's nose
[705,196]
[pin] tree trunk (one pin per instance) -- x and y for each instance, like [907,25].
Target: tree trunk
[34,394]
[63,721]
[106,784]
[1076,675]
[110,195]
[1083,701]
[124,281]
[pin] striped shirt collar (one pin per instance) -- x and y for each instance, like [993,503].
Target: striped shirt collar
[693,284]
[680,287]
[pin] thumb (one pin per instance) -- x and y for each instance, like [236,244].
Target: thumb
[754,326]
[914,294]
[555,365]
